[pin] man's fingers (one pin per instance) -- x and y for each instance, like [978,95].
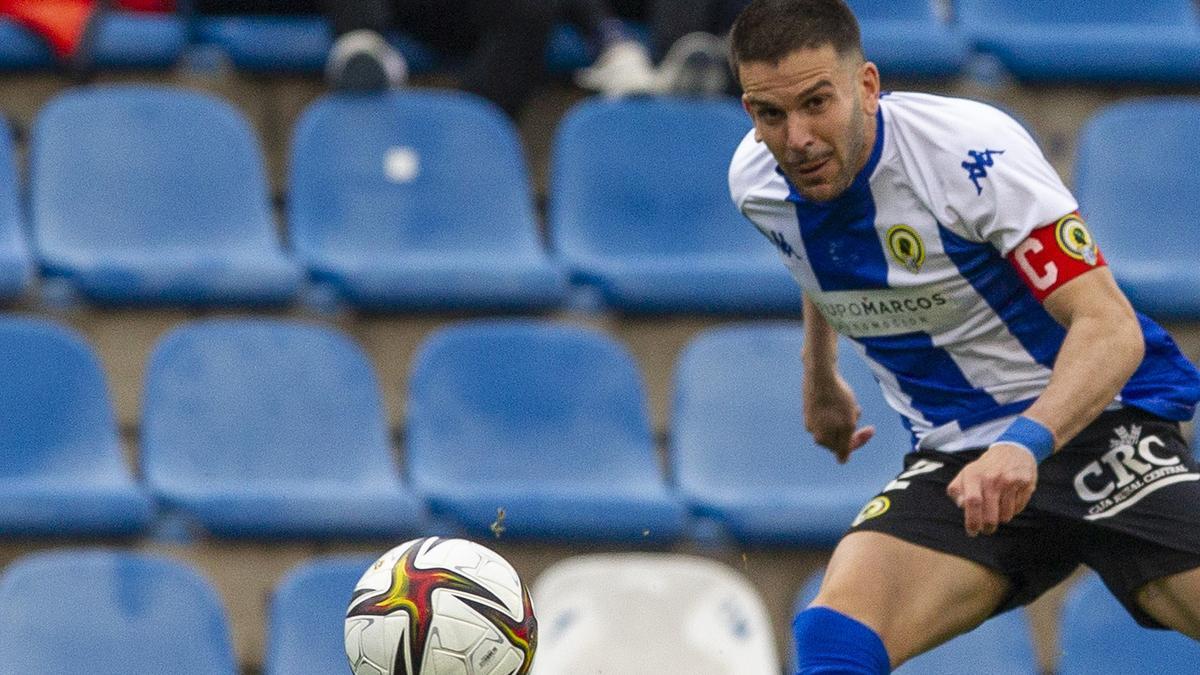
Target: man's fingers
[990,509]
[861,437]
[1008,504]
[954,490]
[972,506]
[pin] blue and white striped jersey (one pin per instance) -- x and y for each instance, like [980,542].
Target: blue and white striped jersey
[910,263]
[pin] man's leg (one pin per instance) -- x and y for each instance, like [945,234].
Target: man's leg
[1174,601]
[913,598]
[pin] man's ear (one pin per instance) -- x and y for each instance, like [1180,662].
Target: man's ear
[868,81]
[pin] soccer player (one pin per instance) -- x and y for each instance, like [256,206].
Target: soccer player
[1044,411]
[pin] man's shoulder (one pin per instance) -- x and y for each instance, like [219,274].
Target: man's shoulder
[927,123]
[752,169]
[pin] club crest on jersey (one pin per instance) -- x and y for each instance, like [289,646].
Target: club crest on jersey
[1075,240]
[874,508]
[906,247]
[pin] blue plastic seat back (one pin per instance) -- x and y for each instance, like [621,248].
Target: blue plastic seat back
[519,404]
[266,42]
[21,48]
[116,612]
[57,421]
[409,172]
[1135,181]
[1002,645]
[237,402]
[1097,635]
[893,10]
[306,615]
[738,393]
[1117,12]
[648,178]
[15,263]
[150,171]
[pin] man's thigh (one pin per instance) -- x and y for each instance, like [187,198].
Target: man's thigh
[914,597]
[1174,601]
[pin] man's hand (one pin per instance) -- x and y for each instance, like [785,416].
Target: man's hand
[993,489]
[831,416]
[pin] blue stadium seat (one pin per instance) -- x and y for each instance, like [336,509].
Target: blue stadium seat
[1002,645]
[308,608]
[418,200]
[545,421]
[123,40]
[139,40]
[1135,181]
[154,195]
[16,265]
[906,38]
[1097,635]
[21,48]
[640,209]
[110,613]
[61,467]
[1088,40]
[288,43]
[741,455]
[268,428]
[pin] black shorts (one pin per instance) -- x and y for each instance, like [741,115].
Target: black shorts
[1123,497]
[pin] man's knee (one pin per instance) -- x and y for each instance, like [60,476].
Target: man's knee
[1174,601]
[829,642]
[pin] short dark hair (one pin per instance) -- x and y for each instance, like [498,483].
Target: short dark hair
[769,30]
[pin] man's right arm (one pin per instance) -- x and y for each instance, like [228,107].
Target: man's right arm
[830,411]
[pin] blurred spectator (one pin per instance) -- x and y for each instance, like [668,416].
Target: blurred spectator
[503,41]
[67,25]
[687,39]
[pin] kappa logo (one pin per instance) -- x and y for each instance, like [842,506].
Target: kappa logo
[1130,470]
[1075,240]
[906,247]
[978,166]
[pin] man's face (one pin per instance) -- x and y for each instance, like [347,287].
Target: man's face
[815,110]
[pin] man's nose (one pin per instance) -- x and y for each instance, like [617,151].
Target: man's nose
[799,133]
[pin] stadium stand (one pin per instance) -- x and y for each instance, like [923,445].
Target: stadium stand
[694,616]
[907,39]
[1130,156]
[1088,40]
[62,471]
[152,195]
[1002,645]
[283,43]
[547,422]
[418,201]
[268,428]
[110,613]
[16,266]
[124,40]
[307,611]
[1098,636]
[737,392]
[639,209]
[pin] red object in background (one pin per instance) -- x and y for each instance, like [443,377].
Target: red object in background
[62,22]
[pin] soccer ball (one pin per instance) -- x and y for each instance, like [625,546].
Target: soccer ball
[438,606]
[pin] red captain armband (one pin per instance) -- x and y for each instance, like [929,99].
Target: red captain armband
[1054,254]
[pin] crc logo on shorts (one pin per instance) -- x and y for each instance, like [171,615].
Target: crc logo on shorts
[1075,240]
[1132,468]
[906,247]
[874,508]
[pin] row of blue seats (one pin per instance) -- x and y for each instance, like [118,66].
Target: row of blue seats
[1080,40]
[119,608]
[270,428]
[420,201]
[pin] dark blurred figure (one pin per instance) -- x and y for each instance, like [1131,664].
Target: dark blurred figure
[503,41]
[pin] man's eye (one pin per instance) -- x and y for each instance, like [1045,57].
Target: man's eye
[816,103]
[770,114]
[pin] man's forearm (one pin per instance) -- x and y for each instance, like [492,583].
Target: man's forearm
[1095,361]
[820,342]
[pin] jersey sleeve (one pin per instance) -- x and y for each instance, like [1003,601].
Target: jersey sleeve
[985,177]
[752,177]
